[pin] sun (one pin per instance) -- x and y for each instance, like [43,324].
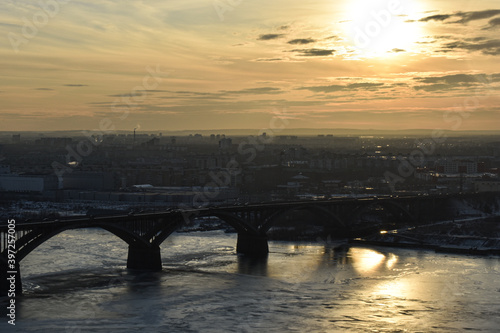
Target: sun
[380,28]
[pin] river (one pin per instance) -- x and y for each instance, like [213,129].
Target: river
[77,282]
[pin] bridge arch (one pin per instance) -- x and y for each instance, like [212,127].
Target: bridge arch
[233,220]
[162,232]
[327,217]
[400,214]
[33,239]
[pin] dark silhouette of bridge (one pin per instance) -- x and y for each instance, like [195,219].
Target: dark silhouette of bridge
[145,232]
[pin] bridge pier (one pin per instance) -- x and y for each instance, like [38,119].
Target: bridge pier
[10,282]
[144,258]
[252,245]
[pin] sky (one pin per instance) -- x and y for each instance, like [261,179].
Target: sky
[242,64]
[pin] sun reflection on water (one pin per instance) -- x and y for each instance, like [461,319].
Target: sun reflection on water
[392,289]
[366,261]
[391,261]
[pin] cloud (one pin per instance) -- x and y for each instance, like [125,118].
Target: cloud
[43,89]
[194,93]
[443,37]
[202,107]
[440,17]
[348,87]
[76,85]
[324,89]
[488,47]
[313,52]
[465,17]
[301,41]
[364,85]
[479,15]
[271,59]
[194,97]
[397,50]
[449,82]
[476,39]
[24,115]
[263,90]
[434,87]
[270,36]
[494,23]
[452,79]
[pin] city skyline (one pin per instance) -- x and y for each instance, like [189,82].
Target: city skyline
[181,65]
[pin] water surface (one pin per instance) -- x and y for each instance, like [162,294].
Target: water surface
[77,282]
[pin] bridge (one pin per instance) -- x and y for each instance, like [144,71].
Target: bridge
[145,232]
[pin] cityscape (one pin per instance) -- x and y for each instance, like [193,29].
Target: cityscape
[151,171]
[249,166]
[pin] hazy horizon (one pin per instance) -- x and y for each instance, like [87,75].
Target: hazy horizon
[284,132]
[174,66]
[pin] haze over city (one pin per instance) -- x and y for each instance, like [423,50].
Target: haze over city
[182,65]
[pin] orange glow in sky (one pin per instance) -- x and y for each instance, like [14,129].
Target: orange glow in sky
[197,64]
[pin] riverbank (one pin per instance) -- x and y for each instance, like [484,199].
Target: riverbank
[477,236]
